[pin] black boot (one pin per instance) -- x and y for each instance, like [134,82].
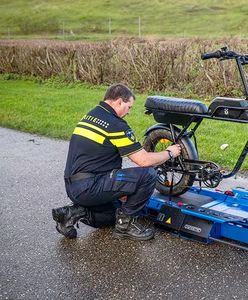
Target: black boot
[66,217]
[128,227]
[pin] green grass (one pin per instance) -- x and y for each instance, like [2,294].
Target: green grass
[90,19]
[55,110]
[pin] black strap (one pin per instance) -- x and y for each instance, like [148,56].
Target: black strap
[80,176]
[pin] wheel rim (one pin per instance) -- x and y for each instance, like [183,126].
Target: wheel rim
[165,177]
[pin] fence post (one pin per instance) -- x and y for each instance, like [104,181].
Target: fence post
[109,26]
[63,30]
[139,27]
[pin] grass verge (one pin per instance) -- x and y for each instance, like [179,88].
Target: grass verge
[54,110]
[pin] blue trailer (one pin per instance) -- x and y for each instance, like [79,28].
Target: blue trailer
[204,215]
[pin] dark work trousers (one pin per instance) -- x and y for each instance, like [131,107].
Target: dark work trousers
[101,194]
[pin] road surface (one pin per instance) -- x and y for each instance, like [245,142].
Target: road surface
[38,263]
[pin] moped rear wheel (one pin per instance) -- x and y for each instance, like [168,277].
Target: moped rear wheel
[170,182]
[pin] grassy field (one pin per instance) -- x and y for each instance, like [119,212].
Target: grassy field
[54,111]
[91,19]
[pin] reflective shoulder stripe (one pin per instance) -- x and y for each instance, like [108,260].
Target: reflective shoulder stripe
[118,133]
[89,134]
[122,142]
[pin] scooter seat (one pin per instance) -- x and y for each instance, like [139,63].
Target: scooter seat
[171,104]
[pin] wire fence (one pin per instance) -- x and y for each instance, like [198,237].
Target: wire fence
[64,29]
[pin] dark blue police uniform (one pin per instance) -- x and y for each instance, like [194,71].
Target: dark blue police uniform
[94,177]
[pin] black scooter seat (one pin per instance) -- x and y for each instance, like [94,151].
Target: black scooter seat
[171,104]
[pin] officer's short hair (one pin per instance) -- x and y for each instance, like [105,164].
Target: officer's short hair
[118,90]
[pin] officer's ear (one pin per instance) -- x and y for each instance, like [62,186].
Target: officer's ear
[119,101]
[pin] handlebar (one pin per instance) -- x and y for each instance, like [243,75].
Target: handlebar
[225,54]
[216,54]
[240,59]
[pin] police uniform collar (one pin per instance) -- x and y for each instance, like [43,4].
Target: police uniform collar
[107,107]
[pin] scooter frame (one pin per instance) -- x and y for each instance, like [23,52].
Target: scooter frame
[186,119]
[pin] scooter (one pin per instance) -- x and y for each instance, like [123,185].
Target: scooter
[178,120]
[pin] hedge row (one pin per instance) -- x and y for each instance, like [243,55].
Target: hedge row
[146,65]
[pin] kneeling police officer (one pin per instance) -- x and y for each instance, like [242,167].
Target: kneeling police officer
[101,191]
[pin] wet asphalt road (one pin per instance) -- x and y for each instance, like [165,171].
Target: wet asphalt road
[38,263]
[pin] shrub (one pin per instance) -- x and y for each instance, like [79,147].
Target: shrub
[146,65]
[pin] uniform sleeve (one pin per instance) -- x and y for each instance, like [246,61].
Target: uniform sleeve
[126,142]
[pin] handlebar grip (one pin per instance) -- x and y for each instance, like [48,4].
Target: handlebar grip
[216,54]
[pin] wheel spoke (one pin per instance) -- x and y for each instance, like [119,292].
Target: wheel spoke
[171,178]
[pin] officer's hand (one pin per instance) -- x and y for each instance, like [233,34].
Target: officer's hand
[175,149]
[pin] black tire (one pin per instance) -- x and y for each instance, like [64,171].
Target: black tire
[158,140]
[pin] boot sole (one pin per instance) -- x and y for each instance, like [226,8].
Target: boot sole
[70,235]
[123,236]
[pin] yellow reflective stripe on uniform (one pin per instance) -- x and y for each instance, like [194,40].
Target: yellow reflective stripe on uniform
[119,133]
[89,134]
[122,142]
